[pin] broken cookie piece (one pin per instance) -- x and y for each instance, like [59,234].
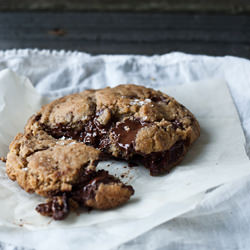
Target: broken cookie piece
[47,166]
[64,171]
[56,207]
[102,191]
[3,159]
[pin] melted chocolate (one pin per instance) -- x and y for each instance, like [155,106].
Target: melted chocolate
[125,134]
[38,117]
[97,135]
[57,207]
[84,190]
[82,193]
[161,162]
[91,133]
[3,159]
[177,124]
[159,99]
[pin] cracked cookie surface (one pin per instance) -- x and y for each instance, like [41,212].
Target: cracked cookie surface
[56,156]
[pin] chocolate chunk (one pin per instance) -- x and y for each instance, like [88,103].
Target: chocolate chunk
[91,133]
[60,130]
[125,134]
[3,159]
[82,193]
[96,134]
[56,207]
[38,117]
[161,162]
[159,98]
[177,124]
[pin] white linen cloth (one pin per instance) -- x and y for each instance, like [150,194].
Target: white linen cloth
[221,218]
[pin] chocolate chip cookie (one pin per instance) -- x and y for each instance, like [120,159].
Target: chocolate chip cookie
[56,156]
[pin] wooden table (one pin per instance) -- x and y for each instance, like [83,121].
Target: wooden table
[127,32]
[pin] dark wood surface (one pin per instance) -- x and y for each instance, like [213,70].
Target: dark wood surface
[228,6]
[127,33]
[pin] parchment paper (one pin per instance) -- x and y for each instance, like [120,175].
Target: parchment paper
[216,158]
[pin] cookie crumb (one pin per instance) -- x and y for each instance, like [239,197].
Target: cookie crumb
[3,159]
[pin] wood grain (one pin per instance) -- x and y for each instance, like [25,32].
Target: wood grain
[127,33]
[228,6]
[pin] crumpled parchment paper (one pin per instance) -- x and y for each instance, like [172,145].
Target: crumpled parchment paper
[218,157]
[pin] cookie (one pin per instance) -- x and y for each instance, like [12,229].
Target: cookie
[3,159]
[56,156]
[63,170]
